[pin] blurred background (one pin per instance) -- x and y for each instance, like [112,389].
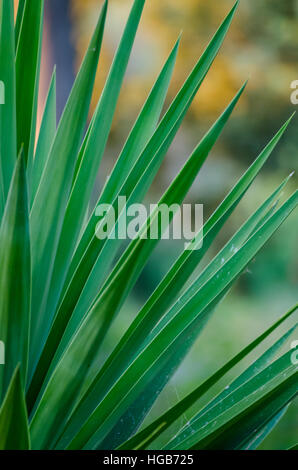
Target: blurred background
[262,45]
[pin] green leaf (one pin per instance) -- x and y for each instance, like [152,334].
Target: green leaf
[182,269]
[139,136]
[52,194]
[295,447]
[132,418]
[149,161]
[122,280]
[15,282]
[8,88]
[133,259]
[144,438]
[14,432]
[19,19]
[68,298]
[245,410]
[46,137]
[27,75]
[128,268]
[150,315]
[169,125]
[95,145]
[66,381]
[172,343]
[257,366]
[254,420]
[2,197]
[263,361]
[130,265]
[254,440]
[143,129]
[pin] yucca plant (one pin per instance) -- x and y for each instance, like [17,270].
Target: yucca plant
[62,287]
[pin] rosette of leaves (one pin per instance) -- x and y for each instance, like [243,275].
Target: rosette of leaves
[62,287]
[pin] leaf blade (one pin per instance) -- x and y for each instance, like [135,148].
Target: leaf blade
[27,75]
[95,145]
[8,89]
[45,138]
[15,276]
[14,432]
[52,194]
[108,411]
[144,438]
[88,250]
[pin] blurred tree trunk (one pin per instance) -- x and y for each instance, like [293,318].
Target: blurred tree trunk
[58,24]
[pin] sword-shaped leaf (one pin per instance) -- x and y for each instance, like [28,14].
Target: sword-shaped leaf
[51,198]
[14,429]
[15,277]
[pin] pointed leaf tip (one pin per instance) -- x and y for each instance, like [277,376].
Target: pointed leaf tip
[232,12]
